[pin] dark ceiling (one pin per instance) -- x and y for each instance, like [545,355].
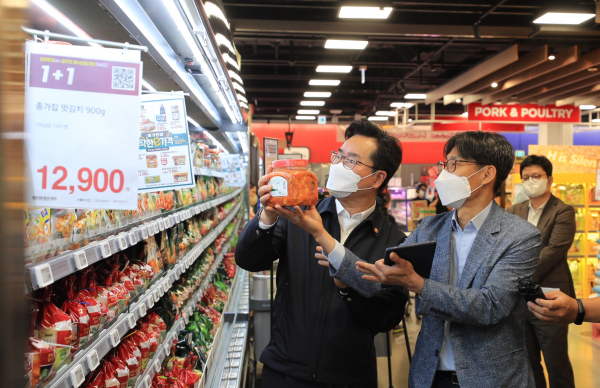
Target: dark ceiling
[423,44]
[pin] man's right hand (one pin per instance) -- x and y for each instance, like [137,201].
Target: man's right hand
[268,215]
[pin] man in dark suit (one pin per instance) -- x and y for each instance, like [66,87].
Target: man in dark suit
[556,221]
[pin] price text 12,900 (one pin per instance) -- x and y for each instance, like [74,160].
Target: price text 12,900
[100,180]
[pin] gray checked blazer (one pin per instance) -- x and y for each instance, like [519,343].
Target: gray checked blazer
[485,310]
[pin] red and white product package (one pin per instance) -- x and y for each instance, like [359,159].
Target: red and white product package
[39,361]
[55,329]
[119,369]
[110,380]
[126,355]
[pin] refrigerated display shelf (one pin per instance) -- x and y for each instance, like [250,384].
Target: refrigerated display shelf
[47,272]
[208,172]
[110,336]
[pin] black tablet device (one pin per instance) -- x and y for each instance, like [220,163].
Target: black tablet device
[420,255]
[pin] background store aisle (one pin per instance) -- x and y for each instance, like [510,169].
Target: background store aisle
[583,351]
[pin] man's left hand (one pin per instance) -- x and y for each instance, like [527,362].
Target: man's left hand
[401,273]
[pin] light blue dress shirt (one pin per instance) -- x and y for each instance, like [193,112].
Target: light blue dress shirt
[462,241]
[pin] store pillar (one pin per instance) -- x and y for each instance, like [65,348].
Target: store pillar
[555,134]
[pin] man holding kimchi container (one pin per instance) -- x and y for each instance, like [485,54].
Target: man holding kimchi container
[323,329]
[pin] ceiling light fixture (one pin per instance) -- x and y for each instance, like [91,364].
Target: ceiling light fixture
[385,113]
[587,107]
[410,120]
[213,10]
[223,41]
[365,12]
[402,105]
[551,57]
[317,94]
[494,84]
[458,100]
[231,61]
[242,136]
[238,87]
[377,118]
[563,18]
[233,75]
[324,82]
[593,69]
[65,21]
[241,98]
[333,69]
[415,96]
[465,114]
[346,44]
[305,117]
[595,120]
[308,112]
[312,103]
[335,111]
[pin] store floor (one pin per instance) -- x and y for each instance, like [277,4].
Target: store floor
[583,351]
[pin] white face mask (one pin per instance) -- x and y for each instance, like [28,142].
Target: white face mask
[535,189]
[453,189]
[343,182]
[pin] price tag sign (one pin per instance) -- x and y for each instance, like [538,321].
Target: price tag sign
[147,382]
[167,351]
[176,218]
[131,321]
[142,309]
[122,242]
[105,249]
[132,238]
[156,228]
[144,231]
[161,224]
[82,95]
[93,360]
[150,301]
[43,275]
[115,338]
[77,375]
[156,366]
[80,259]
[156,296]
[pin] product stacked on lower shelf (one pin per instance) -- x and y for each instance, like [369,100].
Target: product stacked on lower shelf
[99,326]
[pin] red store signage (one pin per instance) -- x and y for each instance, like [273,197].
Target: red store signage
[529,113]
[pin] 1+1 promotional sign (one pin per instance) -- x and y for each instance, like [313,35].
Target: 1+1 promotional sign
[82,111]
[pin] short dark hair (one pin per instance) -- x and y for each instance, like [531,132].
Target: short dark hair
[388,155]
[537,160]
[487,149]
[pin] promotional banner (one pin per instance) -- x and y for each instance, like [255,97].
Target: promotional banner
[82,104]
[232,170]
[569,159]
[529,113]
[164,157]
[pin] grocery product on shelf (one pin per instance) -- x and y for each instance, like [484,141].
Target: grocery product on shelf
[293,184]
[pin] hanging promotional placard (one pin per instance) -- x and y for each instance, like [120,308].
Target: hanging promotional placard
[82,111]
[529,113]
[164,158]
[270,148]
[597,193]
[232,170]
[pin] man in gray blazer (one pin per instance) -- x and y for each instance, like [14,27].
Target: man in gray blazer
[473,316]
[556,221]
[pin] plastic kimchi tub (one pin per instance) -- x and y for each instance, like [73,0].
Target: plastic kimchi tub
[293,184]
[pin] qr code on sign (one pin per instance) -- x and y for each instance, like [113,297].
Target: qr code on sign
[123,78]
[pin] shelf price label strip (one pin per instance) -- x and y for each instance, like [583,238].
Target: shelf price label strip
[63,265]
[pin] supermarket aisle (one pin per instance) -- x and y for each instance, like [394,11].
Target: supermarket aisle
[583,350]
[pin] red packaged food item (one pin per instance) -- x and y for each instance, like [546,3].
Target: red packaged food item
[110,380]
[293,184]
[126,354]
[97,381]
[136,278]
[56,329]
[143,343]
[153,337]
[93,310]
[155,319]
[100,297]
[119,369]
[39,361]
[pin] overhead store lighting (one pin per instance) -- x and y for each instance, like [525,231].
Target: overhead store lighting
[333,69]
[587,107]
[65,21]
[385,113]
[349,12]
[324,82]
[242,98]
[223,41]
[401,104]
[231,61]
[415,96]
[306,117]
[312,103]
[465,114]
[551,57]
[233,75]
[308,112]
[410,120]
[377,118]
[192,121]
[317,94]
[335,111]
[244,105]
[458,100]
[494,84]
[595,120]
[213,10]
[563,18]
[217,143]
[346,44]
[239,87]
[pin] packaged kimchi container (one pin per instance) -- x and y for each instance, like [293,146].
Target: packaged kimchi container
[151,161]
[293,184]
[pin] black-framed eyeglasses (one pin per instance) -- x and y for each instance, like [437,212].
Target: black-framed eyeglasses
[534,178]
[450,165]
[348,162]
